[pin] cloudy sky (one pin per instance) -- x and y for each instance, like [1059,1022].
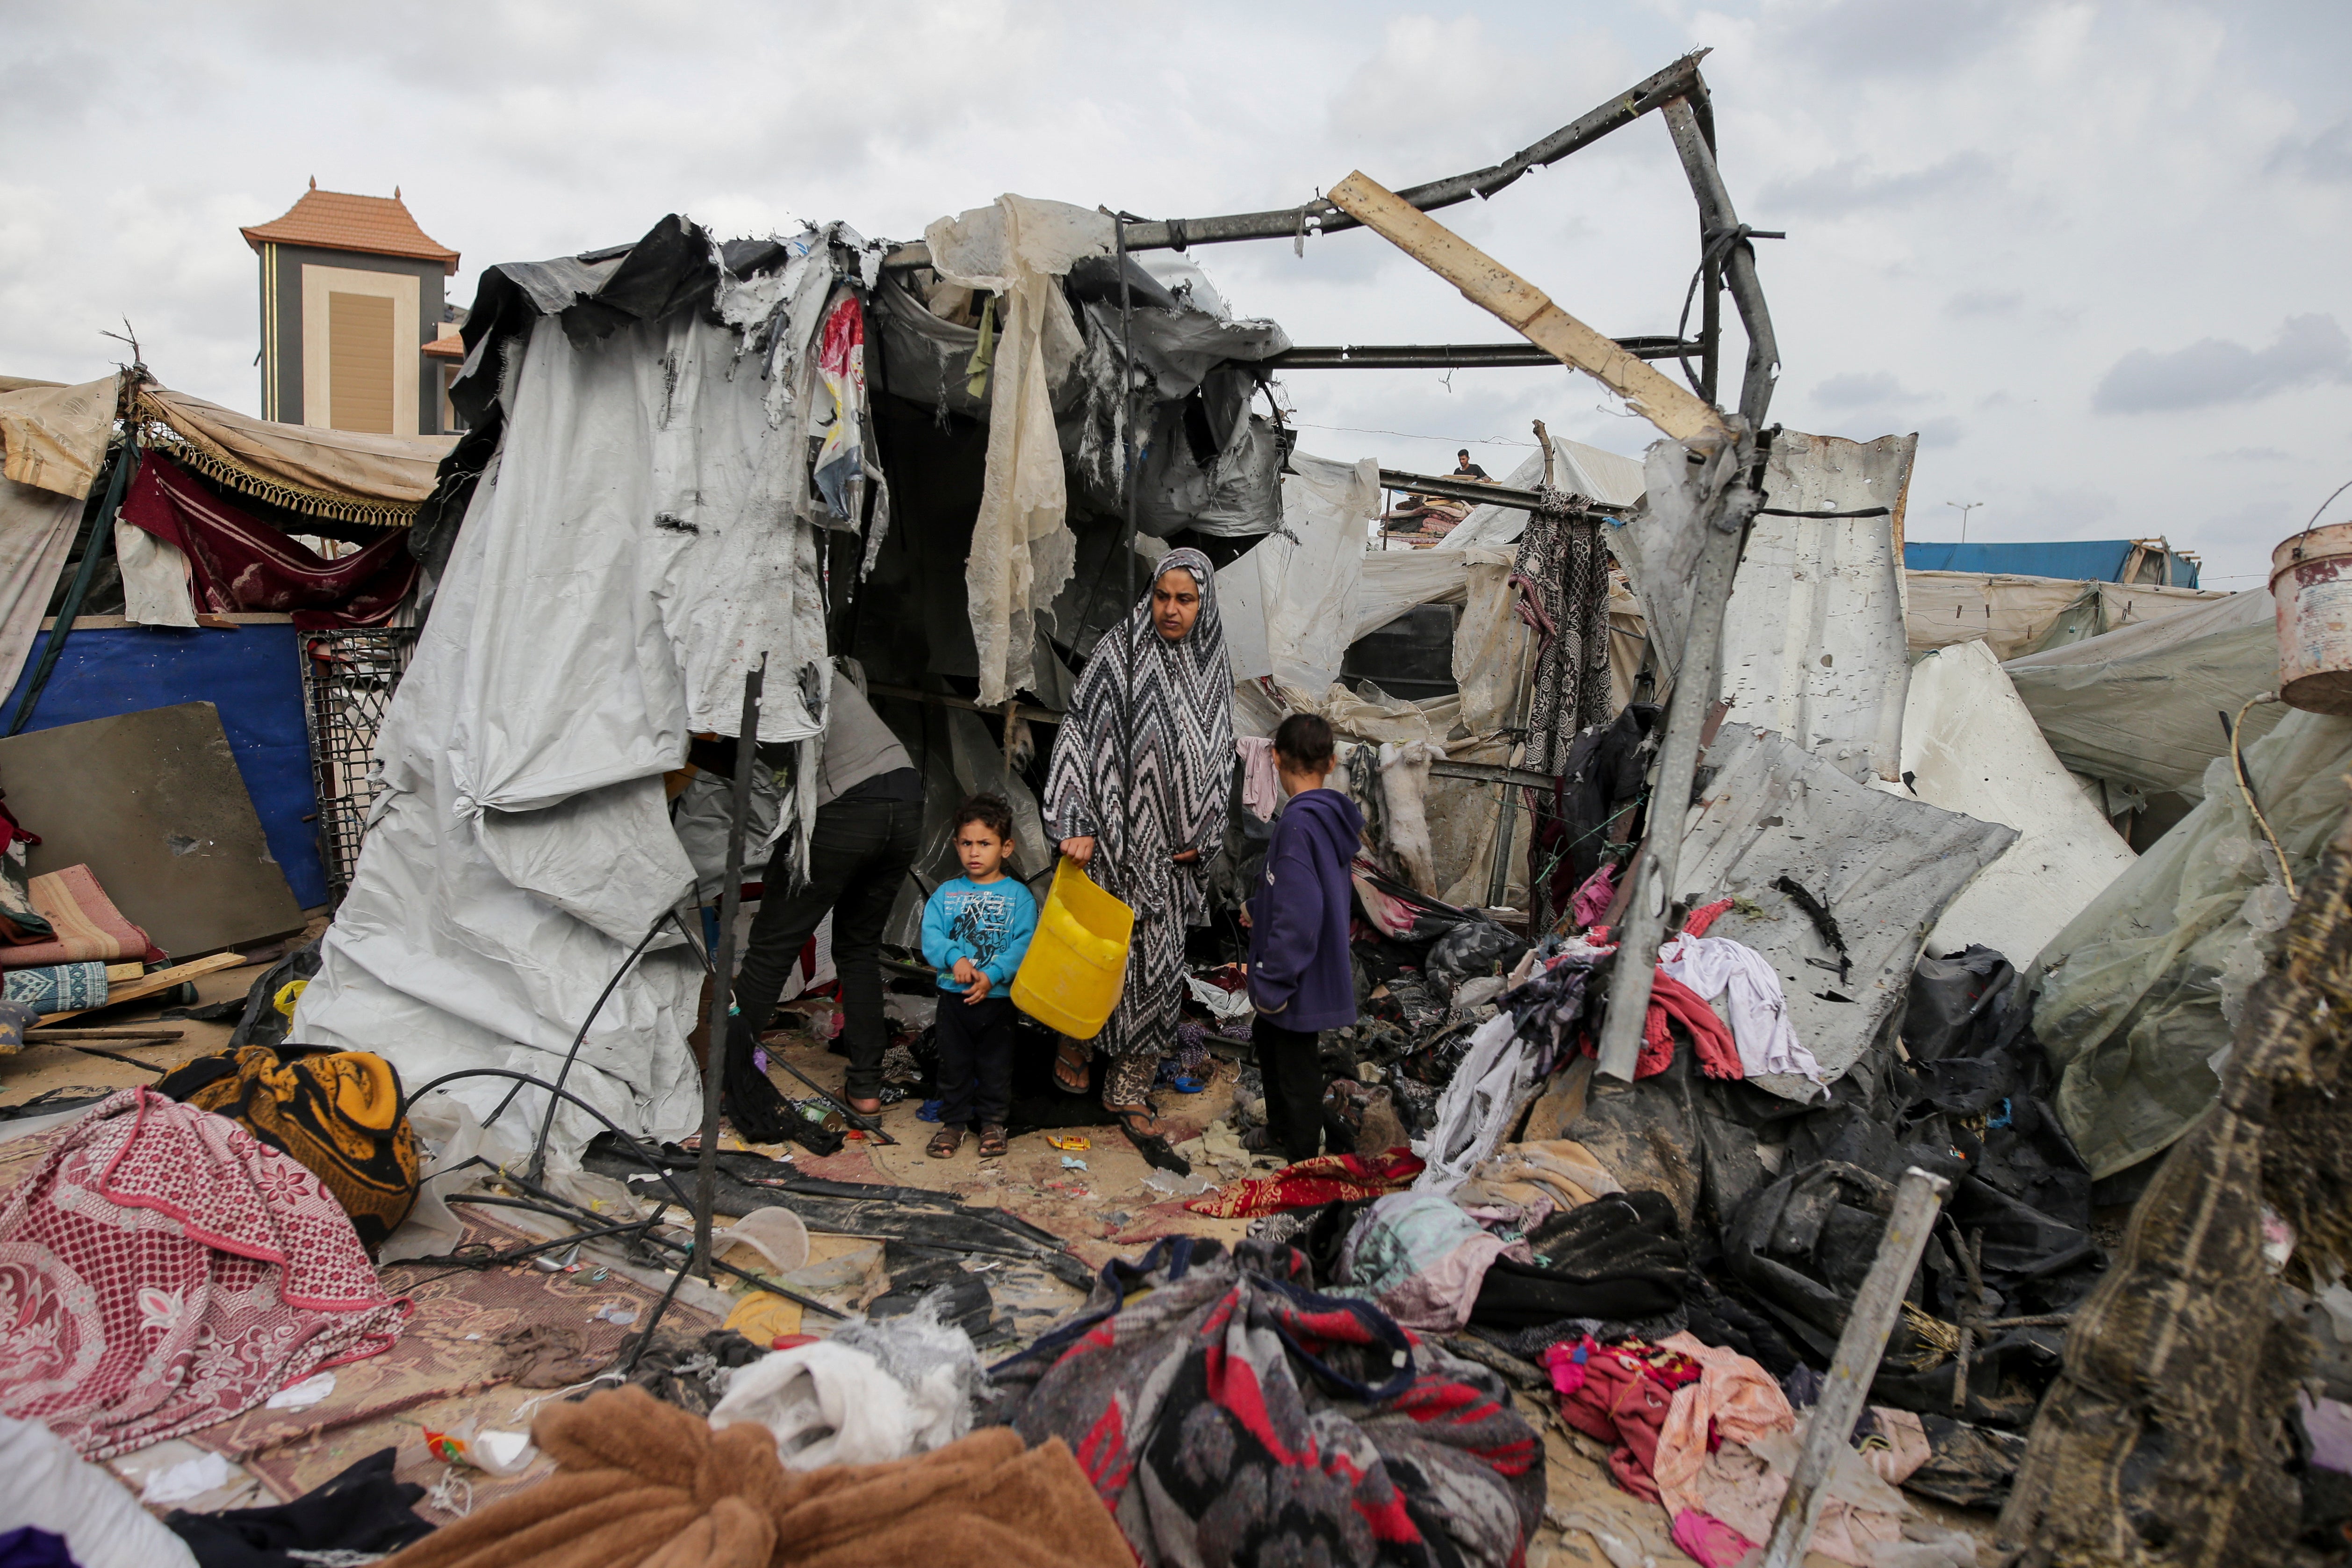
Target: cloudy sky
[2093,253]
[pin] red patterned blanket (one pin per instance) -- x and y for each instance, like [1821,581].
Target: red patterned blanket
[164,1270]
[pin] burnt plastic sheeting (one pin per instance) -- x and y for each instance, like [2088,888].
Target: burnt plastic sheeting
[1967,1465]
[1095,280]
[1949,997]
[843,1208]
[1476,948]
[963,1296]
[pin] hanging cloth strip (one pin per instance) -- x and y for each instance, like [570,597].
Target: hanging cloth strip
[242,563]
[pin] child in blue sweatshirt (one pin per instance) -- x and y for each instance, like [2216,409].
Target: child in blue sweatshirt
[975,930]
[1299,975]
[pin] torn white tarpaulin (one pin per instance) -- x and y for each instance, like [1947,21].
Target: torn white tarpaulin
[1289,605]
[1969,746]
[36,535]
[441,961]
[637,554]
[155,591]
[1886,868]
[1022,550]
[1813,645]
[1493,643]
[2140,704]
[2018,615]
[619,565]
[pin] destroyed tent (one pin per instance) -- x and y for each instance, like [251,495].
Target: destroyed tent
[642,497]
[2138,707]
[278,535]
[2138,998]
[2018,615]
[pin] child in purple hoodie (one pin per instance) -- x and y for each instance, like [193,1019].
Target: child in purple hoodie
[1299,976]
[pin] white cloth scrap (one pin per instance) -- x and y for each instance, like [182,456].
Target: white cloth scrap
[51,1487]
[1474,1110]
[1714,966]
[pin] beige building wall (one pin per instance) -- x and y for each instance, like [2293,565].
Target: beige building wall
[320,285]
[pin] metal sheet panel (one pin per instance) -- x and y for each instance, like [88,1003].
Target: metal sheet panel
[1814,647]
[1887,867]
[152,803]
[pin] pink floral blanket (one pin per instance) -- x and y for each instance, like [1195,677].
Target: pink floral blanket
[164,1270]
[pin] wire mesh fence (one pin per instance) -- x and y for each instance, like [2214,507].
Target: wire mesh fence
[348,679]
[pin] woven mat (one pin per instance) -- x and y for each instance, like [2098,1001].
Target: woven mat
[449,1353]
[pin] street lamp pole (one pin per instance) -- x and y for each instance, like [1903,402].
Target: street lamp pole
[1965,507]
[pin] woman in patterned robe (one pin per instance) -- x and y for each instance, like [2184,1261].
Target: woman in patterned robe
[1137,794]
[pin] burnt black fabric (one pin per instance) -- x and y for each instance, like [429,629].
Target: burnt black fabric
[1967,1465]
[1620,1257]
[1519,1296]
[364,1510]
[1602,776]
[1719,1316]
[258,1022]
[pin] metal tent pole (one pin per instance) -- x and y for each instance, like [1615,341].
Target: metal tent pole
[722,976]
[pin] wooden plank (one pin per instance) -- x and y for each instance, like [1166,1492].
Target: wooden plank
[124,973]
[1867,1323]
[40,1037]
[1519,304]
[161,980]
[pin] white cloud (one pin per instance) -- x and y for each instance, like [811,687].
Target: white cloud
[2308,350]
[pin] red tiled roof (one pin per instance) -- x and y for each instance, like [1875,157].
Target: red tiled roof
[448,348]
[338,220]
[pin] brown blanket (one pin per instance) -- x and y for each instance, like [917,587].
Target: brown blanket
[645,1485]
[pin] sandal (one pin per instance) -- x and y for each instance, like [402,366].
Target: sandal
[992,1143]
[944,1144]
[1138,1122]
[1073,1065]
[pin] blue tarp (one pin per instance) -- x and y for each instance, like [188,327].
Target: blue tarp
[249,674]
[2076,560]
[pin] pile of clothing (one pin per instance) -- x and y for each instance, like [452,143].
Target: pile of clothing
[1228,1412]
[1709,1436]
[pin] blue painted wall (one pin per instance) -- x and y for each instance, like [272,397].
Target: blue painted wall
[249,674]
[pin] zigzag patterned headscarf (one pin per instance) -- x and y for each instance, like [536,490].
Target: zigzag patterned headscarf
[1145,758]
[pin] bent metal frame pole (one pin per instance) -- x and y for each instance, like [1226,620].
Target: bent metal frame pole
[1876,1306]
[1735,488]
[722,974]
